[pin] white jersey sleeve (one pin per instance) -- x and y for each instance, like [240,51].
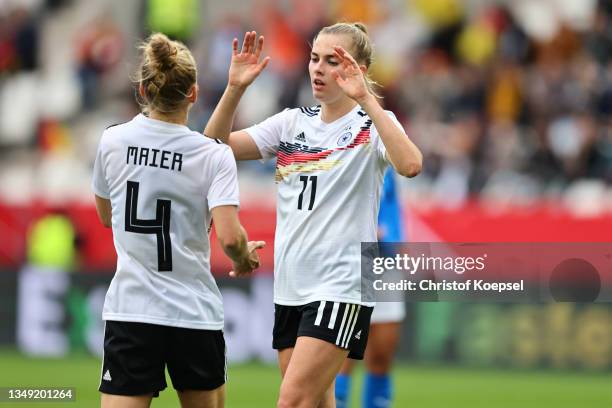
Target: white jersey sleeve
[224,186]
[267,134]
[377,141]
[99,184]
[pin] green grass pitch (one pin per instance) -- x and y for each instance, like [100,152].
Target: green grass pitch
[256,385]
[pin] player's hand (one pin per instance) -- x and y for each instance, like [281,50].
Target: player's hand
[251,262]
[349,76]
[245,65]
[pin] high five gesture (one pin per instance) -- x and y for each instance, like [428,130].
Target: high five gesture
[244,68]
[313,292]
[246,65]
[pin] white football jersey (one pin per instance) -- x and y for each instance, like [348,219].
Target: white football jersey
[162,180]
[330,177]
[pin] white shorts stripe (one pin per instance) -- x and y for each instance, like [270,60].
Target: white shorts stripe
[346,306]
[348,325]
[353,326]
[332,319]
[320,313]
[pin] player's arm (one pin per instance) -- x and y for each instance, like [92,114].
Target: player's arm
[219,126]
[103,208]
[244,68]
[404,155]
[233,240]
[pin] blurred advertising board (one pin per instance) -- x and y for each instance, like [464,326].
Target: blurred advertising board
[50,313]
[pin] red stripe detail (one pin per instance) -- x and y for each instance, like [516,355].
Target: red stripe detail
[285,159]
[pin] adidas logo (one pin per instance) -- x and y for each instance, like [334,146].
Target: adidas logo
[358,335]
[107,376]
[301,137]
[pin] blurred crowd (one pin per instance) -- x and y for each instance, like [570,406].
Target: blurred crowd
[509,100]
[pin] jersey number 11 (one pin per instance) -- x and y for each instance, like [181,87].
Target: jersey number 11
[313,191]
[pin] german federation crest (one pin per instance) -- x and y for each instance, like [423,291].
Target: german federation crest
[345,139]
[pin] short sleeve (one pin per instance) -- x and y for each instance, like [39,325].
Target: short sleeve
[377,141]
[98,182]
[267,134]
[224,187]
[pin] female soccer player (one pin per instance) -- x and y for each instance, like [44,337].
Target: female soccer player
[157,183]
[330,161]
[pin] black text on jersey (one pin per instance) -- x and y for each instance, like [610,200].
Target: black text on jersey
[164,159]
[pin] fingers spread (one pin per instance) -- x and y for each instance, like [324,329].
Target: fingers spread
[340,53]
[345,63]
[260,44]
[253,48]
[338,77]
[252,42]
[345,56]
[245,42]
[262,65]
[338,74]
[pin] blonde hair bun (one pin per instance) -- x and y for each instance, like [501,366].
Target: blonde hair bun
[167,73]
[162,51]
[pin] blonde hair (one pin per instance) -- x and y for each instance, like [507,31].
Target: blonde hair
[167,72]
[362,48]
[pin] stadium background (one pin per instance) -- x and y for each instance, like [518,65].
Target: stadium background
[509,101]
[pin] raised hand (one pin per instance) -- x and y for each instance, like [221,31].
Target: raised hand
[250,263]
[349,76]
[245,65]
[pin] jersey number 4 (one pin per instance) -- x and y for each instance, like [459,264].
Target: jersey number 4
[159,226]
[313,191]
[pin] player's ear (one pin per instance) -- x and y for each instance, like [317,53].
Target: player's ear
[363,69]
[192,96]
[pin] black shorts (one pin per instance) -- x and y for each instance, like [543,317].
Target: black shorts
[136,354]
[343,324]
